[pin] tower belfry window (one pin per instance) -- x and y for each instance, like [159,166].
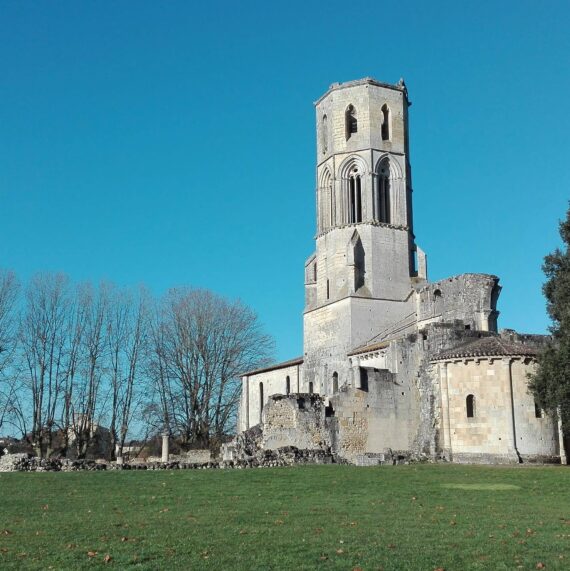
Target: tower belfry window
[354,198]
[385,123]
[351,122]
[383,195]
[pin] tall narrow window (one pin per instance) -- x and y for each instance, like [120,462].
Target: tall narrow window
[324,135]
[335,382]
[537,410]
[351,200]
[328,290]
[260,402]
[383,195]
[358,200]
[385,123]
[287,385]
[315,272]
[470,406]
[354,199]
[311,387]
[351,123]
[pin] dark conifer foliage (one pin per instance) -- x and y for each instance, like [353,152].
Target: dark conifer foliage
[551,382]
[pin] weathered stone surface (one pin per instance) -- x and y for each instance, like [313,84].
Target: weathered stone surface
[382,345]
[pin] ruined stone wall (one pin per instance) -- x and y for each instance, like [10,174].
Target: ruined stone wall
[296,420]
[470,298]
[372,419]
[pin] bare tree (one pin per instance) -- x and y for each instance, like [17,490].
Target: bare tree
[9,289]
[92,349]
[42,338]
[126,336]
[200,344]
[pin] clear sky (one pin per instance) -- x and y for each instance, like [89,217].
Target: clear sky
[172,143]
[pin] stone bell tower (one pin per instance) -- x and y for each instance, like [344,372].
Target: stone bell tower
[360,279]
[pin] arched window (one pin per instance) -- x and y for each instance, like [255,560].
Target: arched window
[350,121]
[260,402]
[356,257]
[311,387]
[354,198]
[470,406]
[383,194]
[385,123]
[287,385]
[325,197]
[437,302]
[335,382]
[324,135]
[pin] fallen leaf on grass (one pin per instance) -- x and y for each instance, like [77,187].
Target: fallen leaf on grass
[243,532]
[339,551]
[46,507]
[540,565]
[6,532]
[91,554]
[107,558]
[71,546]
[391,546]
[164,510]
[279,522]
[124,539]
[323,557]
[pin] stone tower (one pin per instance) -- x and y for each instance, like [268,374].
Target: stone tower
[360,279]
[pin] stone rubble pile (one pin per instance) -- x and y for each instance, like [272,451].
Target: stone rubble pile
[286,456]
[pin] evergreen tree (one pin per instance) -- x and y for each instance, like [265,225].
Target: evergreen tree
[551,381]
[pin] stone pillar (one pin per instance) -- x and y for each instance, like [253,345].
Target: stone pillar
[445,412]
[119,460]
[164,447]
[563,457]
[507,365]
[355,370]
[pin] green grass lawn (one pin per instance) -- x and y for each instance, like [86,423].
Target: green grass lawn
[421,517]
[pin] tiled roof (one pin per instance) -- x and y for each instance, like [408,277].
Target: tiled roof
[372,347]
[275,366]
[488,347]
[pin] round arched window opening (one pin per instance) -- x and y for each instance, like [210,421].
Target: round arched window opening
[335,383]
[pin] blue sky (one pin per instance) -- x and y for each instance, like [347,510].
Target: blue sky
[172,143]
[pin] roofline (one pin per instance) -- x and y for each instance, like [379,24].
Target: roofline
[370,348]
[364,81]
[274,367]
[463,357]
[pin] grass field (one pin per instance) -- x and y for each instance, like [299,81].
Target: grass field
[421,517]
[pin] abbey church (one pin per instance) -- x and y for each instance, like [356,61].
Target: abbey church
[392,363]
